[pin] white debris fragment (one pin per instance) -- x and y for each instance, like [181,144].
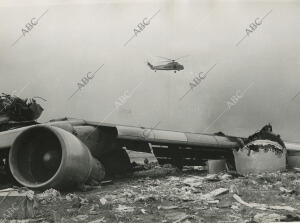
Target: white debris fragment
[167,207]
[296,169]
[103,201]
[263,206]
[83,201]
[267,218]
[225,176]
[296,182]
[100,220]
[211,195]
[146,198]
[30,194]
[212,177]
[70,197]
[49,195]
[194,181]
[80,218]
[234,190]
[124,209]
[284,190]
[93,209]
[183,219]
[24,220]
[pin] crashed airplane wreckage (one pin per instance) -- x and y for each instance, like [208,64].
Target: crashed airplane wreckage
[64,153]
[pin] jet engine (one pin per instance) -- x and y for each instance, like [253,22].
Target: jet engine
[43,157]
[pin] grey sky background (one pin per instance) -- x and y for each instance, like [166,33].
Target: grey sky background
[76,37]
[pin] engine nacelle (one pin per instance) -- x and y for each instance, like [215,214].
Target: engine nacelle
[45,157]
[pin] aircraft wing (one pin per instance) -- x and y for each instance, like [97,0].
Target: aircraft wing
[66,152]
[146,135]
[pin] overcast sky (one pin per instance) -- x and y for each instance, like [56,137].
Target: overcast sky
[73,38]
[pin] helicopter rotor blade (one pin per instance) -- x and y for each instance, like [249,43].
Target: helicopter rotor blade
[181,57]
[165,58]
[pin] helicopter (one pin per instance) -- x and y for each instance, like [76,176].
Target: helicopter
[171,65]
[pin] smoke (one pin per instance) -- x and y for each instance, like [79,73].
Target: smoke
[74,39]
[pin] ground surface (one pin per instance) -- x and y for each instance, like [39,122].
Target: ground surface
[165,194]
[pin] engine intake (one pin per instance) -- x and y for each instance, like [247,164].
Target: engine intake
[44,157]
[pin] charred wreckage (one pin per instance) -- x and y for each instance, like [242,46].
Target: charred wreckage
[66,153]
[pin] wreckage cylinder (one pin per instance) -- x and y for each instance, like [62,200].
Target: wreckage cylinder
[260,156]
[44,157]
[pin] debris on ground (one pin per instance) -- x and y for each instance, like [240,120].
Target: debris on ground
[170,195]
[183,219]
[124,209]
[286,191]
[267,217]
[50,195]
[100,220]
[263,206]
[157,171]
[213,194]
